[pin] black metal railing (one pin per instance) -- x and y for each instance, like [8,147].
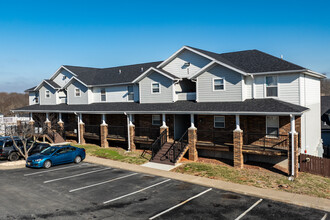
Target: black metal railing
[177,148]
[265,141]
[146,133]
[158,144]
[214,137]
[118,132]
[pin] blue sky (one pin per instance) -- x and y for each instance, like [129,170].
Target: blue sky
[37,37]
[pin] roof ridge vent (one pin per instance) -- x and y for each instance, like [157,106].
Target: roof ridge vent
[119,71]
[141,69]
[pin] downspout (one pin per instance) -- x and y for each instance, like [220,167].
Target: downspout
[128,133]
[292,117]
[78,127]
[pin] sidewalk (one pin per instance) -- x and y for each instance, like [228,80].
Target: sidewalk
[296,199]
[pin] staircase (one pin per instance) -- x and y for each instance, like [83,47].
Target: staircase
[170,152]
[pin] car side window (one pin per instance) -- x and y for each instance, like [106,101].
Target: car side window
[71,149]
[62,151]
[9,144]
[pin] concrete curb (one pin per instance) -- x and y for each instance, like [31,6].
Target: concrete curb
[291,198]
[12,165]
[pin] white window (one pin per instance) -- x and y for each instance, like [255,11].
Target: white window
[77,92]
[271,86]
[219,121]
[272,126]
[103,95]
[218,84]
[130,93]
[47,94]
[155,88]
[155,119]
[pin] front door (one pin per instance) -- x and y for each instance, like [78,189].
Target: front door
[181,124]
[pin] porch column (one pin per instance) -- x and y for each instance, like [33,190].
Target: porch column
[104,132]
[192,139]
[60,122]
[238,145]
[164,126]
[131,133]
[81,130]
[18,122]
[293,151]
[48,124]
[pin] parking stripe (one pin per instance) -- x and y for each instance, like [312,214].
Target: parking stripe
[249,209]
[108,181]
[136,191]
[81,174]
[51,170]
[180,204]
[325,216]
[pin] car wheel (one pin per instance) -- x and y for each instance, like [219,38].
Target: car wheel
[47,164]
[13,156]
[77,159]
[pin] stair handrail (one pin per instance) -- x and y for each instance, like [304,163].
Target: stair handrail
[158,143]
[176,148]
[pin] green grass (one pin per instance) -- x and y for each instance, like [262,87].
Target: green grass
[113,153]
[306,183]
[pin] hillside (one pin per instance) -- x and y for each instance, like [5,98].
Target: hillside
[10,101]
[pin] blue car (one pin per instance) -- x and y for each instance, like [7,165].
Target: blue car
[56,155]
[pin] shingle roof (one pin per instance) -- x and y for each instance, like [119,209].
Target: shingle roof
[113,75]
[252,61]
[53,84]
[250,106]
[30,89]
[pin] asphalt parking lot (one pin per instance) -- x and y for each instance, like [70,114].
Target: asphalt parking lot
[88,191]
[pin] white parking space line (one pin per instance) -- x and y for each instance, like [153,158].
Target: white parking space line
[180,204]
[108,181]
[52,170]
[81,174]
[324,217]
[244,213]
[136,191]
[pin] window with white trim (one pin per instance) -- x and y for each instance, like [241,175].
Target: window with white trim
[218,84]
[77,92]
[155,119]
[130,93]
[103,95]
[155,88]
[219,121]
[271,86]
[272,126]
[47,94]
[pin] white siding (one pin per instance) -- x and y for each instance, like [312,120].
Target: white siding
[63,78]
[72,100]
[247,88]
[259,82]
[113,94]
[52,100]
[177,65]
[288,88]
[32,98]
[166,89]
[233,85]
[312,118]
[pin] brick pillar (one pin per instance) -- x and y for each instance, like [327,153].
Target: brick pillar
[131,137]
[192,140]
[31,124]
[48,126]
[104,135]
[61,125]
[163,128]
[82,132]
[296,154]
[238,149]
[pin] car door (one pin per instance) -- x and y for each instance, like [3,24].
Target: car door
[61,156]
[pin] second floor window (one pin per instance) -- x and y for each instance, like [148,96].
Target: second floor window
[155,119]
[155,88]
[77,93]
[47,94]
[36,99]
[218,84]
[271,86]
[103,95]
[130,94]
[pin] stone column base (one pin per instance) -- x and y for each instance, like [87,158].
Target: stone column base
[81,133]
[296,155]
[163,128]
[104,135]
[192,140]
[131,137]
[238,149]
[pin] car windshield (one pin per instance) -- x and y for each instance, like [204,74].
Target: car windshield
[48,150]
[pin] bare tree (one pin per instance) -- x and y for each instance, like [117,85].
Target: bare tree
[28,134]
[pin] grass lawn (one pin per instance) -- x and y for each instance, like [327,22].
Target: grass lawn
[114,153]
[307,184]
